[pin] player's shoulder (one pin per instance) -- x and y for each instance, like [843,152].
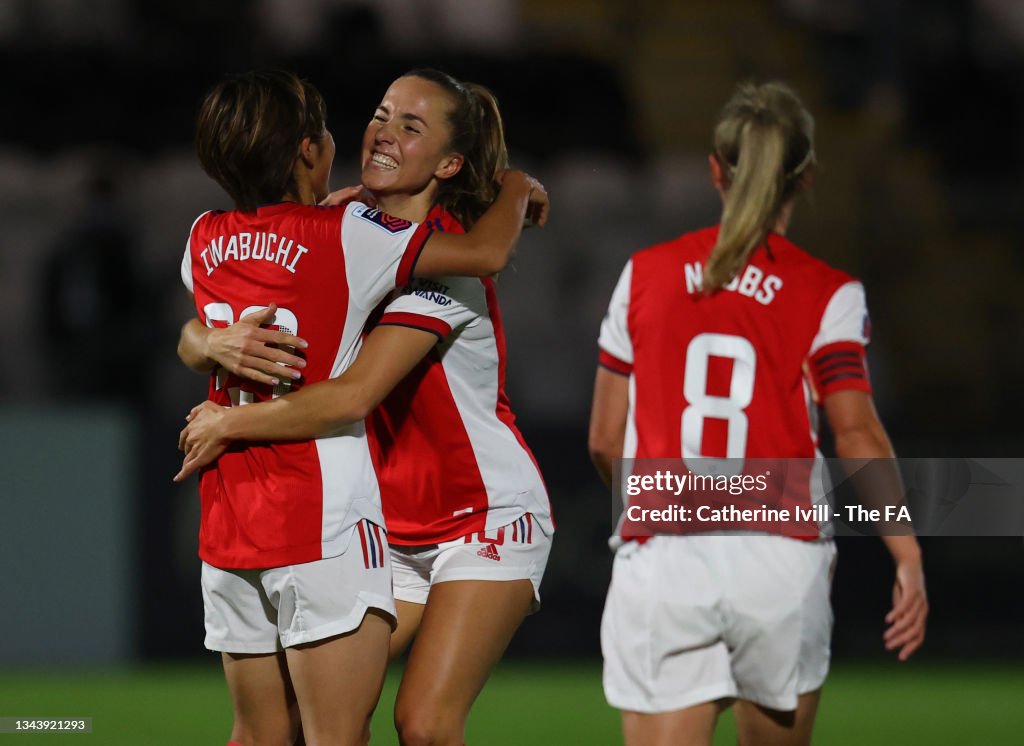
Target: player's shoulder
[322,212]
[290,216]
[367,216]
[669,257]
[439,219]
[315,218]
[274,212]
[816,270]
[696,242]
[208,217]
[209,223]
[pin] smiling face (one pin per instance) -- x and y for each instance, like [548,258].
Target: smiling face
[405,146]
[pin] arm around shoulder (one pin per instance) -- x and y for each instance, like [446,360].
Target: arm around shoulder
[487,247]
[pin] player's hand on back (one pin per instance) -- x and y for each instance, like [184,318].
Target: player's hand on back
[249,351]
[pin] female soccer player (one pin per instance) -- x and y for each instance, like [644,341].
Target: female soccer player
[296,574]
[468,517]
[712,346]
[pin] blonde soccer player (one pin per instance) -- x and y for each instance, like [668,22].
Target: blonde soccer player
[721,343]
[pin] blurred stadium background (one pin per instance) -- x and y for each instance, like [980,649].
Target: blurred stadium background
[920,108]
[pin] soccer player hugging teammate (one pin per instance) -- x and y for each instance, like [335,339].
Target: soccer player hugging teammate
[468,519]
[296,573]
[694,622]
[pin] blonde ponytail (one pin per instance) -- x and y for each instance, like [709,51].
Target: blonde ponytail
[764,143]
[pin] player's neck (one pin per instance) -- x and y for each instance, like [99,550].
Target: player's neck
[303,195]
[414,207]
[782,220]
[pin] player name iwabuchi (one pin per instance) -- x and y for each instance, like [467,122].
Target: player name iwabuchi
[752,282]
[256,246]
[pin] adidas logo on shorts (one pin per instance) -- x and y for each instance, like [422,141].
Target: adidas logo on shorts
[489,551]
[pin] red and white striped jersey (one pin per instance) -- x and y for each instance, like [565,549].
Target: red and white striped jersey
[273,504]
[450,459]
[735,374]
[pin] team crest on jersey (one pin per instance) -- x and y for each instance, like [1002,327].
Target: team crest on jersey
[388,222]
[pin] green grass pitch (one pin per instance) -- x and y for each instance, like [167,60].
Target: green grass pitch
[540,704]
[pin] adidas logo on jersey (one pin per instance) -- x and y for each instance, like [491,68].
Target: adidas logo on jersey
[489,551]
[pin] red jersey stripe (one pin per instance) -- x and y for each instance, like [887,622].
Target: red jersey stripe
[412,254]
[612,363]
[416,321]
[362,541]
[838,366]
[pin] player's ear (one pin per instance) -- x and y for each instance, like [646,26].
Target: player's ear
[306,152]
[449,166]
[717,173]
[807,178]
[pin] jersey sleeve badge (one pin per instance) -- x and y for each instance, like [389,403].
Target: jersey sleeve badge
[381,219]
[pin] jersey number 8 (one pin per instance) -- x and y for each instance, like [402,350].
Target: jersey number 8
[701,405]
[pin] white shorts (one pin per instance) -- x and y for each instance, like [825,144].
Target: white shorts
[699,618]
[265,611]
[518,551]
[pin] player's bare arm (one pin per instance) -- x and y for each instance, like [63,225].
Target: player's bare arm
[246,348]
[608,421]
[486,248]
[859,434]
[386,357]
